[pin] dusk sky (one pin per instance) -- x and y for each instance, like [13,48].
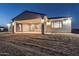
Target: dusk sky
[9,11]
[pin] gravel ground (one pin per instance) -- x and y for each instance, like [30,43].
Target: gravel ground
[63,44]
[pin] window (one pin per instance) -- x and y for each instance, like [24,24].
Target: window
[38,26]
[57,24]
[32,27]
[35,27]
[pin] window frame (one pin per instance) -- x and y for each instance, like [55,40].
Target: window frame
[59,22]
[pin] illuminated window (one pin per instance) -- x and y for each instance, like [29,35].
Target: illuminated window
[57,24]
[38,26]
[35,26]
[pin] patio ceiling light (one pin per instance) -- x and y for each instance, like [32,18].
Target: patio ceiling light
[48,23]
[8,25]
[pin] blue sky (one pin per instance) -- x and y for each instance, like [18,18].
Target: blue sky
[9,11]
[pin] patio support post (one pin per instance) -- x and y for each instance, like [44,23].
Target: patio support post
[42,26]
[13,27]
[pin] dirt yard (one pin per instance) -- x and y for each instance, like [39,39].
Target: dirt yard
[39,45]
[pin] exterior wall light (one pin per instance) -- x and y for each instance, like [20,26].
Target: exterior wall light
[64,22]
[48,23]
[8,25]
[12,23]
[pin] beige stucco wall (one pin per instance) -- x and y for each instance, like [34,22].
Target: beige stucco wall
[27,21]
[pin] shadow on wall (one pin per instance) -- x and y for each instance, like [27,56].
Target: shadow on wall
[76,31]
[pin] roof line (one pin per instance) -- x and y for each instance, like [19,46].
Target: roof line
[59,17]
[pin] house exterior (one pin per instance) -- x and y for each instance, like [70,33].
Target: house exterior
[33,22]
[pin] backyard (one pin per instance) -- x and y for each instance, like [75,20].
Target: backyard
[64,44]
